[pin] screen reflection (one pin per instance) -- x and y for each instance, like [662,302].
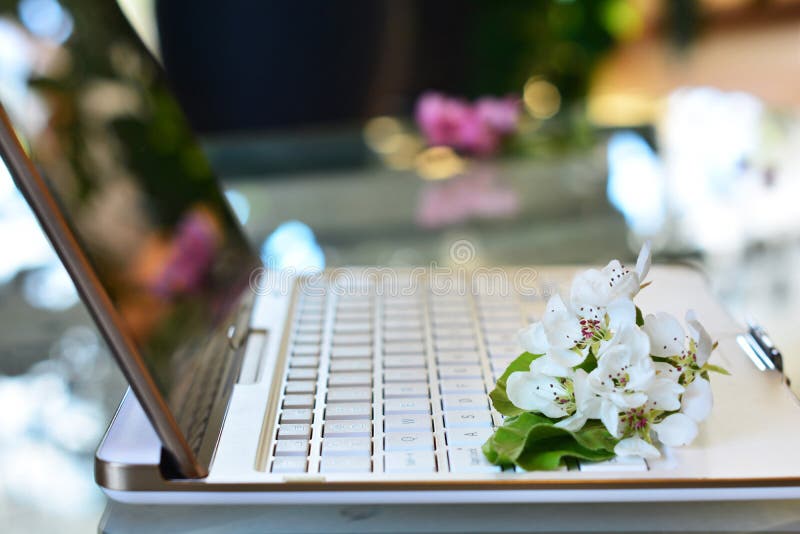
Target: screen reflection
[92,110]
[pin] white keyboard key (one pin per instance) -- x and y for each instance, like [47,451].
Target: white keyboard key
[460,371]
[470,460]
[307,362]
[348,394]
[291,447]
[504,351]
[305,350]
[403,335]
[416,349]
[352,339]
[348,429]
[294,431]
[402,323]
[346,447]
[618,463]
[464,402]
[349,379]
[405,375]
[300,386]
[453,333]
[348,411]
[303,329]
[404,391]
[302,374]
[406,406]
[467,387]
[289,464]
[457,358]
[408,441]
[468,437]
[298,401]
[501,338]
[400,362]
[409,462]
[297,415]
[351,352]
[345,464]
[461,419]
[452,321]
[351,365]
[307,339]
[358,327]
[455,344]
[407,423]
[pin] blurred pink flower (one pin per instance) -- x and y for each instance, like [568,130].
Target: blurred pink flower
[476,195]
[473,128]
[501,114]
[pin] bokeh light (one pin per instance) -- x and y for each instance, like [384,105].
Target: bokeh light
[542,98]
[439,163]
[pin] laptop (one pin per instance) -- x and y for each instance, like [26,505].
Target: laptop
[354,385]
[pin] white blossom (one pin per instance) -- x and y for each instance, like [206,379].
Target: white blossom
[542,389]
[598,288]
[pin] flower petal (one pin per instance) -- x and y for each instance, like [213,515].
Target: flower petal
[589,288]
[609,415]
[643,261]
[621,314]
[636,447]
[547,366]
[561,326]
[701,338]
[664,394]
[697,400]
[572,423]
[533,338]
[621,281]
[566,357]
[666,370]
[676,430]
[665,333]
[535,393]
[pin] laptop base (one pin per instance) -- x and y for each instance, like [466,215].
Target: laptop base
[129,457]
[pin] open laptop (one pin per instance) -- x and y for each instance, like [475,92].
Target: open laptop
[357,385]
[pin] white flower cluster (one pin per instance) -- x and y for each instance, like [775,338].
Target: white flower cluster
[597,363]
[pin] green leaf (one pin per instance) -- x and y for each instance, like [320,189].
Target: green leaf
[498,395]
[716,369]
[589,364]
[639,317]
[532,442]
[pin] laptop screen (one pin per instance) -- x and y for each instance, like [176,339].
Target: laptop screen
[93,112]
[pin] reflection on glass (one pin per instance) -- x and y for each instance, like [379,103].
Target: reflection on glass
[293,247]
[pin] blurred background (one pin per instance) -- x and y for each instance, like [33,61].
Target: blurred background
[379,132]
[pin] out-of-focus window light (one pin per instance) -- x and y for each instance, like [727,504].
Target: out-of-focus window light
[46,19]
[706,138]
[239,204]
[293,246]
[636,183]
[20,233]
[50,288]
[34,439]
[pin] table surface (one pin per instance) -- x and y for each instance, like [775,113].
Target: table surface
[776,516]
[519,211]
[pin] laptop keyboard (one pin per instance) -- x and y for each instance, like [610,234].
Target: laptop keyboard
[394,384]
